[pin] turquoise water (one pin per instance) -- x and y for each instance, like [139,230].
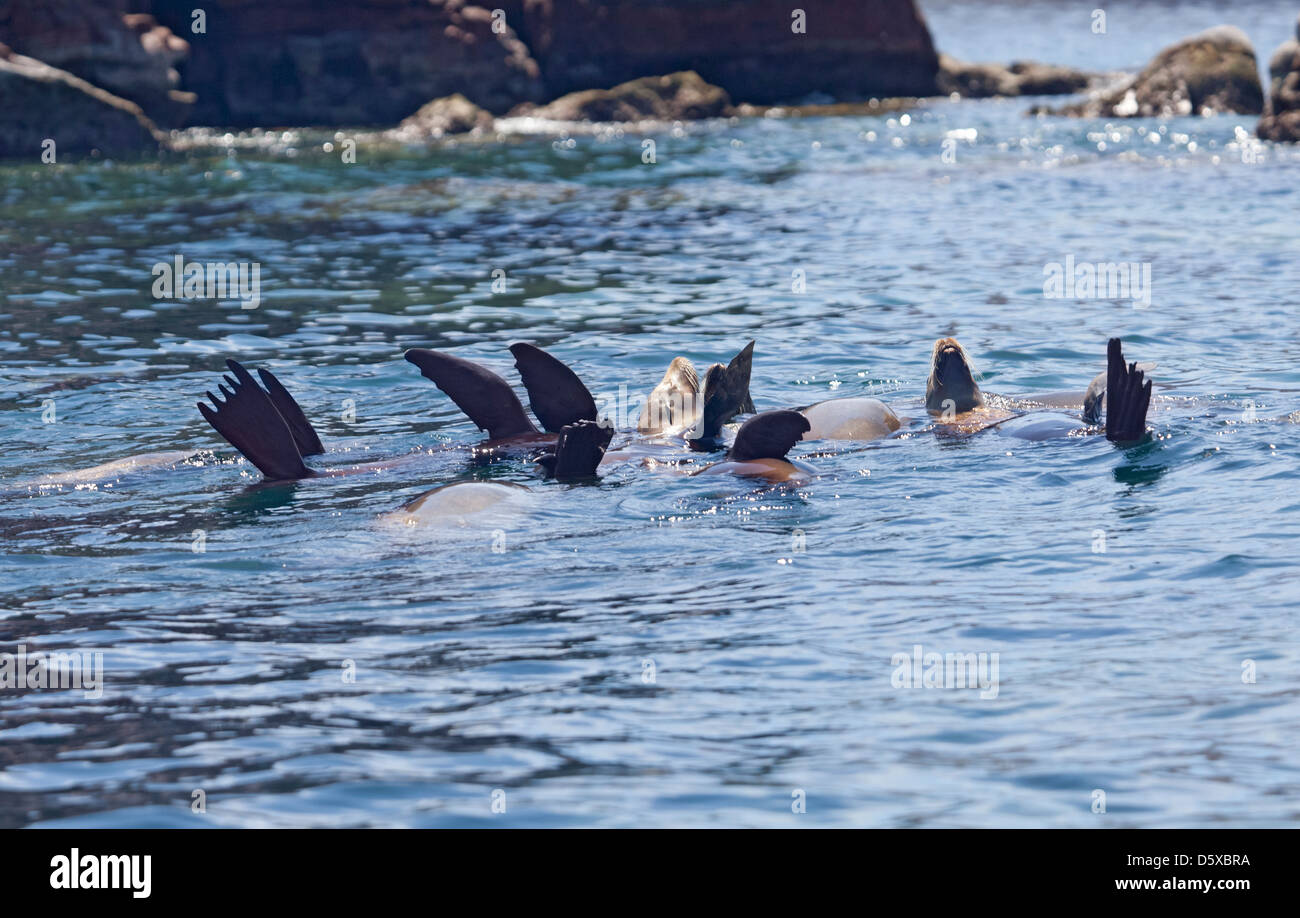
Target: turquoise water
[659,649]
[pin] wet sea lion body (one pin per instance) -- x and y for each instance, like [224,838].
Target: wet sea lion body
[850,419]
[462,503]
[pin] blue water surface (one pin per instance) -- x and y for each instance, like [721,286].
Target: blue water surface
[657,649]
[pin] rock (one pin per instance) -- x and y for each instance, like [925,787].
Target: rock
[1281,120]
[674,97]
[448,115]
[1035,79]
[847,49]
[1022,78]
[1214,71]
[130,55]
[40,102]
[302,62]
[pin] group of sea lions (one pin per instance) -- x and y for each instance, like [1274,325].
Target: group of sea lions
[684,414]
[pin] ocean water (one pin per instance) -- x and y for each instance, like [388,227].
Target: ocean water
[659,649]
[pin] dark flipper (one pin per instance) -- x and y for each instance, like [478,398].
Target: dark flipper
[726,392]
[769,435]
[578,451]
[485,397]
[555,393]
[249,421]
[1127,397]
[303,433]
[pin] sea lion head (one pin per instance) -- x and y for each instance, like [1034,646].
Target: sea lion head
[951,386]
[675,402]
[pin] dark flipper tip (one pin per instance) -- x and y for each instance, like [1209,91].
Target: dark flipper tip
[578,451]
[303,433]
[1128,396]
[485,397]
[249,421]
[769,435]
[726,392]
[555,393]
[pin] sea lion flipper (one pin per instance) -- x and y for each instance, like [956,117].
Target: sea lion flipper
[555,393]
[485,397]
[726,392]
[1128,395]
[303,433]
[578,451]
[250,422]
[769,435]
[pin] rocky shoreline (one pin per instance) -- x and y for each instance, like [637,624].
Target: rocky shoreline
[110,77]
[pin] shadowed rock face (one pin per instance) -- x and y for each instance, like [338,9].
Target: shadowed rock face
[1281,119]
[1214,71]
[269,63]
[306,62]
[40,102]
[127,54]
[849,49]
[375,62]
[674,97]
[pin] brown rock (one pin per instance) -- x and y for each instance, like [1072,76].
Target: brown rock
[130,55]
[1035,79]
[40,102]
[674,97]
[448,115]
[1214,71]
[849,49]
[1022,78]
[1281,120]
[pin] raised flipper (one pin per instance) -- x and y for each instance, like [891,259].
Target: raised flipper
[250,422]
[769,435]
[578,451]
[303,433]
[485,397]
[555,393]
[1094,400]
[726,392]
[1127,397]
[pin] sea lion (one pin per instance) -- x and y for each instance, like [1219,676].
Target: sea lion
[760,448]
[953,395]
[683,405]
